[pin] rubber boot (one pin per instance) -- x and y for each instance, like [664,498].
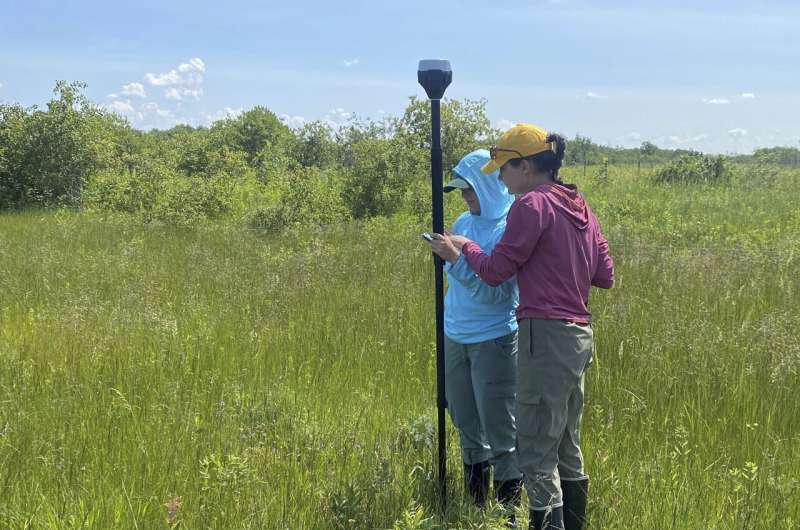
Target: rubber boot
[476,480]
[547,520]
[575,494]
[509,494]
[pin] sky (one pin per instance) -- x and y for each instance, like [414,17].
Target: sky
[715,76]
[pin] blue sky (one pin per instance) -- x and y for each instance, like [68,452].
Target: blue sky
[715,76]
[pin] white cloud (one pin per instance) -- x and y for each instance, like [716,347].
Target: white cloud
[181,84]
[225,113]
[594,95]
[133,89]
[179,94]
[121,107]
[682,142]
[173,93]
[1,85]
[630,139]
[334,118]
[716,101]
[171,78]
[338,117]
[150,115]
[153,109]
[351,62]
[737,133]
[187,74]
[504,124]
[748,95]
[294,122]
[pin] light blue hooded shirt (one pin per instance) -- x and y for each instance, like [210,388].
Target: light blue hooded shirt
[473,311]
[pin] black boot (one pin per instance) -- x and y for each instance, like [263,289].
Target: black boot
[575,494]
[509,494]
[547,520]
[476,479]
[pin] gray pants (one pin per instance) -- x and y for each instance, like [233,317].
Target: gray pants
[479,386]
[553,358]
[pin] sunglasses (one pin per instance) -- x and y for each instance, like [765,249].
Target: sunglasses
[494,150]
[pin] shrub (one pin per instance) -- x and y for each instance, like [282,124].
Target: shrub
[381,174]
[201,152]
[45,156]
[130,191]
[315,145]
[253,132]
[694,168]
[185,201]
[465,126]
[307,196]
[158,194]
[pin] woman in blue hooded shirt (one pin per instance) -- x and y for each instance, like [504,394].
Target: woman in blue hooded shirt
[481,342]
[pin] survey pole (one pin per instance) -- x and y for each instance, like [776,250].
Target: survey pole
[435,76]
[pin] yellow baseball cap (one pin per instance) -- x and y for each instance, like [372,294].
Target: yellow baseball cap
[523,139]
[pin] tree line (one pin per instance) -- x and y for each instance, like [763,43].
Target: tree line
[252,166]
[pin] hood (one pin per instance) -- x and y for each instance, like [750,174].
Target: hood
[492,193]
[569,202]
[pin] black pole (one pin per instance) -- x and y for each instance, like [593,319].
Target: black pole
[435,76]
[437,201]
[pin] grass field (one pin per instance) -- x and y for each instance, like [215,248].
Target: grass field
[223,378]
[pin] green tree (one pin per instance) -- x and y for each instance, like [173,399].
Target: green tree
[648,149]
[580,150]
[47,155]
[465,127]
[205,152]
[257,132]
[315,145]
[377,182]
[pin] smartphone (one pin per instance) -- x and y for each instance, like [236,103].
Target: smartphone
[427,236]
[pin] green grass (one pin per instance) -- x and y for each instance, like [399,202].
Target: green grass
[287,381]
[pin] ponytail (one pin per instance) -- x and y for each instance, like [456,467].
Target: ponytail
[560,146]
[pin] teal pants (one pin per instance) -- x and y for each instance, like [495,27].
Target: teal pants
[480,380]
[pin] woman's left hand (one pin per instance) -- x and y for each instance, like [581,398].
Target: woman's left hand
[456,240]
[448,247]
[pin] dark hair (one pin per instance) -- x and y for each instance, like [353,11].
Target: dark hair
[549,161]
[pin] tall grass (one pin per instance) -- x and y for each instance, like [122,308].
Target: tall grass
[153,377]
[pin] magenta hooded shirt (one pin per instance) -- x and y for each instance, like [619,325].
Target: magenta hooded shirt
[554,245]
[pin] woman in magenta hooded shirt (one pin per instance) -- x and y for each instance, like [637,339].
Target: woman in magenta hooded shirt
[554,245]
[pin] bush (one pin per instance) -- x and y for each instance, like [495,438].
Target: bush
[417,200]
[254,132]
[465,127]
[45,156]
[156,193]
[307,196]
[381,174]
[315,145]
[202,152]
[130,191]
[694,168]
[185,201]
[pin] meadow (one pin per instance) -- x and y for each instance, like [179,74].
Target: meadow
[226,378]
